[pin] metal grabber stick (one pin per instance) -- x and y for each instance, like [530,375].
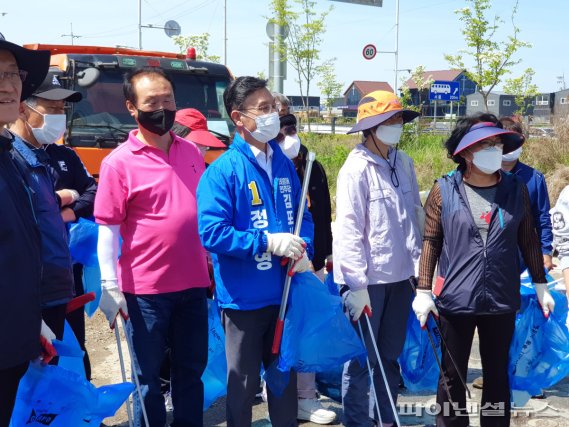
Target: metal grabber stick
[136,382]
[433,346]
[123,373]
[380,364]
[374,393]
[280,321]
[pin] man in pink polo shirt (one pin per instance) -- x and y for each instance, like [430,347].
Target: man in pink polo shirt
[147,189]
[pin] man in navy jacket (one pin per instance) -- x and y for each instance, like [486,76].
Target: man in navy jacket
[539,197]
[33,162]
[75,187]
[247,204]
[21,71]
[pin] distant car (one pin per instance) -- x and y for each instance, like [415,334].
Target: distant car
[536,132]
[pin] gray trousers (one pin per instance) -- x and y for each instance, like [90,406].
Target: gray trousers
[248,341]
[390,304]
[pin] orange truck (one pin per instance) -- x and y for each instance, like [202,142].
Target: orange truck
[100,121]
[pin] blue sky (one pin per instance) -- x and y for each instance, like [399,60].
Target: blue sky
[428,30]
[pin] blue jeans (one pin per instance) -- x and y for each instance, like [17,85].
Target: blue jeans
[177,320]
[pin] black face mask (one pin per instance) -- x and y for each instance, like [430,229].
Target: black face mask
[157,121]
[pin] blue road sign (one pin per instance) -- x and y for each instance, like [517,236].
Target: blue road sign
[444,91]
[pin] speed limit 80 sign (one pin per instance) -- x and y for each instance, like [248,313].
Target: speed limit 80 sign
[369,51]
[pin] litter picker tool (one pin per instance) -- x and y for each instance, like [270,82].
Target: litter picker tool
[433,346]
[136,382]
[380,364]
[373,392]
[123,373]
[280,321]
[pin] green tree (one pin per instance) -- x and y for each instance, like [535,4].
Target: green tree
[200,42]
[492,59]
[329,86]
[301,47]
[523,89]
[422,81]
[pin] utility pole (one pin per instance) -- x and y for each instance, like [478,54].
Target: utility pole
[396,51]
[71,35]
[396,44]
[139,24]
[225,34]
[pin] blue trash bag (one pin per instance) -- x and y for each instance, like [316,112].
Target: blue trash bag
[539,353]
[51,395]
[333,288]
[214,377]
[83,236]
[417,360]
[527,291]
[330,383]
[69,352]
[92,283]
[317,335]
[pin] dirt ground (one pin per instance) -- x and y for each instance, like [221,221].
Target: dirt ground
[105,366]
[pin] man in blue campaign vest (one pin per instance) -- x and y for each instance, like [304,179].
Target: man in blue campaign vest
[247,204]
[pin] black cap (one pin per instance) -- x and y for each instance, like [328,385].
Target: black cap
[34,62]
[52,90]
[288,120]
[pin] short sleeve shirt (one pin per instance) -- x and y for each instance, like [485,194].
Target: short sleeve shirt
[152,196]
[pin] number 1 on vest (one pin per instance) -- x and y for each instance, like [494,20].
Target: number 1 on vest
[255,194]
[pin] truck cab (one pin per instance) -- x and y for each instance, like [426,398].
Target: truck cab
[100,121]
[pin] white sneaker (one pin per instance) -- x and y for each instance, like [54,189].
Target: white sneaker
[313,411]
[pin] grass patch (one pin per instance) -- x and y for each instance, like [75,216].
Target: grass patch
[548,155]
[426,151]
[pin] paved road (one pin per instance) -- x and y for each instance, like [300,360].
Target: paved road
[553,411]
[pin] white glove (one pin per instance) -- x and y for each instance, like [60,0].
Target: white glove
[285,244]
[356,302]
[545,299]
[423,304]
[112,302]
[302,264]
[46,332]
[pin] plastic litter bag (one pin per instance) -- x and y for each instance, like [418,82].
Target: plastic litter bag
[417,360]
[92,283]
[539,353]
[332,286]
[215,375]
[69,352]
[317,335]
[53,396]
[330,383]
[83,236]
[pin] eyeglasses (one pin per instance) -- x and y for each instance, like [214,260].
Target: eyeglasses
[265,109]
[14,76]
[492,142]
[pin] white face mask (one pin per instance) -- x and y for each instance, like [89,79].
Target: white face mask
[52,130]
[268,127]
[512,155]
[488,160]
[389,134]
[290,146]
